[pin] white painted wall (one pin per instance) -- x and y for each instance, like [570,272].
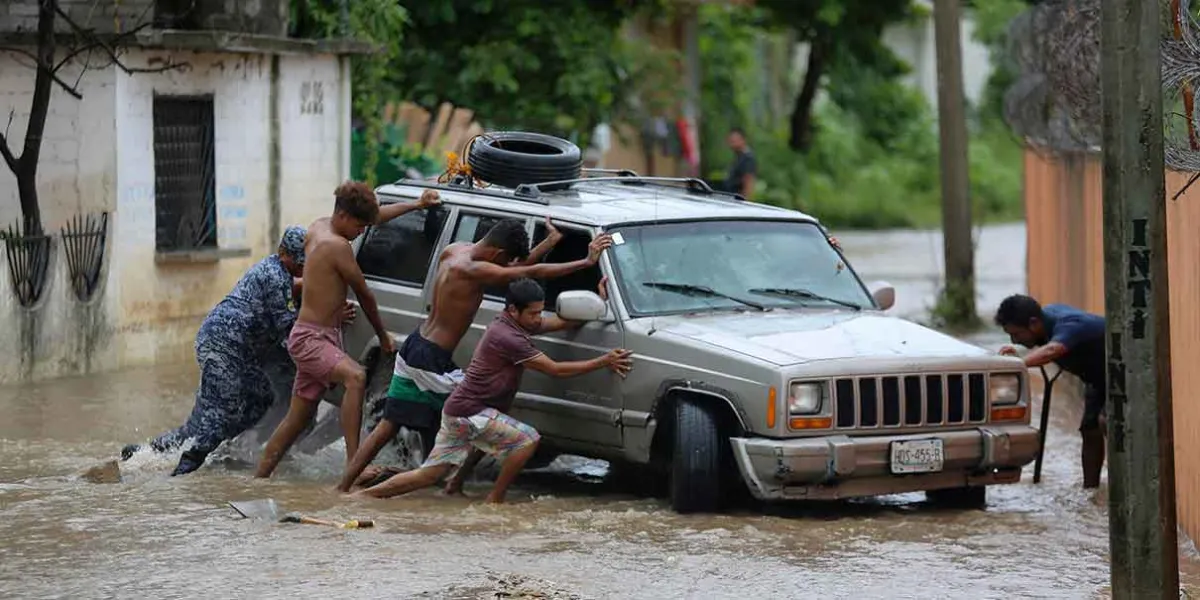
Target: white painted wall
[914,43]
[98,155]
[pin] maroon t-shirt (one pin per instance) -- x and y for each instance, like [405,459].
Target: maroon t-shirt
[495,371]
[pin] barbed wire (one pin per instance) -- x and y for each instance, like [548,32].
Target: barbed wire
[1054,104]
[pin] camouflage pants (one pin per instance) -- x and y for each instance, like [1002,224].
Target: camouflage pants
[233,396]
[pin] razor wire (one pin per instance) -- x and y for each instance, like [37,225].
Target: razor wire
[1055,102]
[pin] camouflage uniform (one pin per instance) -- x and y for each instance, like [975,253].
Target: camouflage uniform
[241,337]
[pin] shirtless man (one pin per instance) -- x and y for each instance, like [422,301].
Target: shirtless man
[315,343]
[425,372]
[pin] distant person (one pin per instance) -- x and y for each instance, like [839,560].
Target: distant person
[475,415]
[744,169]
[239,337]
[1073,339]
[315,343]
[425,373]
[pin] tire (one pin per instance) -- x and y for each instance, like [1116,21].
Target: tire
[964,497]
[696,460]
[511,158]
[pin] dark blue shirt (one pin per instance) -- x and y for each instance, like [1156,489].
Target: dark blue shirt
[1082,333]
[256,317]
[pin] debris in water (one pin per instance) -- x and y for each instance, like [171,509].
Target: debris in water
[107,472]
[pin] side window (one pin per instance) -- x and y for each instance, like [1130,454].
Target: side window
[573,246]
[471,228]
[401,249]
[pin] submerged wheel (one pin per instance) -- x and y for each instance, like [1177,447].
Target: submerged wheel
[697,460]
[510,158]
[965,497]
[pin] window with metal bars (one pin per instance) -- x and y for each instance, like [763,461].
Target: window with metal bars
[185,191]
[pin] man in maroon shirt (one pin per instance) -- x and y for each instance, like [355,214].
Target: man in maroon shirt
[475,413]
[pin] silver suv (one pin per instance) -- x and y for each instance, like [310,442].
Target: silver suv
[761,360]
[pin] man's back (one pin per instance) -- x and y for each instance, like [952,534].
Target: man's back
[456,298]
[1083,335]
[324,293]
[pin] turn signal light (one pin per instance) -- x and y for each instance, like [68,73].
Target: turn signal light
[811,423]
[1008,413]
[771,408]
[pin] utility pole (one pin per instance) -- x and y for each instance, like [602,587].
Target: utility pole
[958,296]
[1141,464]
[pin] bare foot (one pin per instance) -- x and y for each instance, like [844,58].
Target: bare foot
[369,473]
[494,500]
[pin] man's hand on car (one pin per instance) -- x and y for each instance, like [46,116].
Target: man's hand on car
[619,361]
[1009,351]
[386,344]
[429,198]
[348,313]
[602,289]
[552,233]
[597,246]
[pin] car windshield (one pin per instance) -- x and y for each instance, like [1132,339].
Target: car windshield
[743,265]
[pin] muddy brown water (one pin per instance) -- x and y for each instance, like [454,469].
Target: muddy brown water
[563,535]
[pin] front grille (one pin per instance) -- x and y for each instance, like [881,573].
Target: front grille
[910,400]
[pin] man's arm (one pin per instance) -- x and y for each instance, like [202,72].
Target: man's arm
[617,360]
[391,211]
[553,237]
[495,275]
[348,268]
[1044,355]
[748,186]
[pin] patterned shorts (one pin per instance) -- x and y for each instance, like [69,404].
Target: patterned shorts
[489,430]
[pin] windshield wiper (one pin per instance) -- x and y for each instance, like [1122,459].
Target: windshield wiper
[690,289]
[799,293]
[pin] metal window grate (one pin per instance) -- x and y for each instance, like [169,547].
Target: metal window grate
[910,400]
[184,173]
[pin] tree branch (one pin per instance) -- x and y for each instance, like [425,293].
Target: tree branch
[53,72]
[9,159]
[110,50]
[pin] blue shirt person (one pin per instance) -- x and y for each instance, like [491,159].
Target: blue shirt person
[241,336]
[1074,339]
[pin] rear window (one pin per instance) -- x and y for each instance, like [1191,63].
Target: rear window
[400,250]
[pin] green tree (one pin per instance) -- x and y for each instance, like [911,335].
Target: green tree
[838,32]
[557,67]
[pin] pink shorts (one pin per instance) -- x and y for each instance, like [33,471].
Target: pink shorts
[316,349]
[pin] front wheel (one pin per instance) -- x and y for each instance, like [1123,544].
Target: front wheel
[696,460]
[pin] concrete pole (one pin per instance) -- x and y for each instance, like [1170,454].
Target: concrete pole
[1141,465]
[958,297]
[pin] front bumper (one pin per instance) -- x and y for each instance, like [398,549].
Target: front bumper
[842,466]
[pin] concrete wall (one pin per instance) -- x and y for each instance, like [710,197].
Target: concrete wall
[99,156]
[915,44]
[103,16]
[1063,204]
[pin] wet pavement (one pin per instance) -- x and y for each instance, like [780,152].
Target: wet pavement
[565,534]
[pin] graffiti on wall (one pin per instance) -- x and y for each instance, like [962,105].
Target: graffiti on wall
[312,98]
[231,216]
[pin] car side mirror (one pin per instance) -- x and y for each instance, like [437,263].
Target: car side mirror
[582,305]
[884,294]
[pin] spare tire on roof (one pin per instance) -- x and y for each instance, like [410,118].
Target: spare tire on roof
[511,158]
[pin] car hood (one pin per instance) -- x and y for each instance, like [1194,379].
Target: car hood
[791,337]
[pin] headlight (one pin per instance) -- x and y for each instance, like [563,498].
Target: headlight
[806,398]
[1004,389]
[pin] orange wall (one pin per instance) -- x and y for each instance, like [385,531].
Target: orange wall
[1066,264]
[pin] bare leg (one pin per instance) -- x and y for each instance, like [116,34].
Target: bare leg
[351,375]
[1092,456]
[512,466]
[454,486]
[403,483]
[379,436]
[299,414]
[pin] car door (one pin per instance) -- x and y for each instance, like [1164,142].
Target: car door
[397,259]
[582,411]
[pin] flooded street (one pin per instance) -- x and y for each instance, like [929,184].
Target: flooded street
[564,534]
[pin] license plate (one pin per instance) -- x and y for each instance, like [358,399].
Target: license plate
[917,456]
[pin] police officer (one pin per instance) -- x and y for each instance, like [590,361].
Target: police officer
[239,338]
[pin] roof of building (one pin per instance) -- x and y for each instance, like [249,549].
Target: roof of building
[604,201]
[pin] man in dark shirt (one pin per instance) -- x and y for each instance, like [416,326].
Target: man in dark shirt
[1075,340]
[745,167]
[475,413]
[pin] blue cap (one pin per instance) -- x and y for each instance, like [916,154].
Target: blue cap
[293,242]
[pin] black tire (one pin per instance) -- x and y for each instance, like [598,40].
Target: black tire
[696,460]
[510,158]
[964,497]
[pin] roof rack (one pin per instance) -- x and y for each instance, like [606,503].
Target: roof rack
[617,172]
[699,186]
[459,186]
